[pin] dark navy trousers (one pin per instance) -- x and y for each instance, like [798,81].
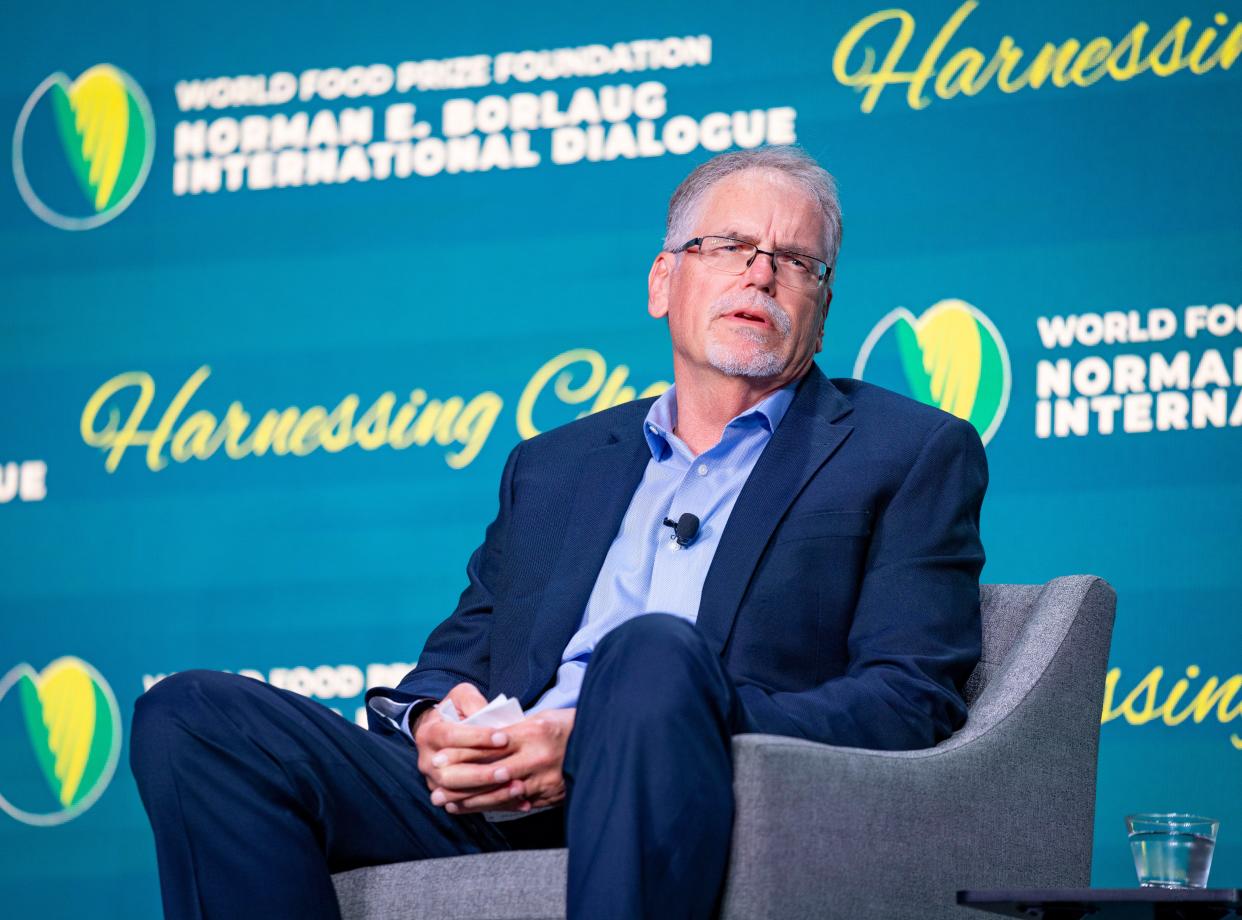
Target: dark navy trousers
[257,795]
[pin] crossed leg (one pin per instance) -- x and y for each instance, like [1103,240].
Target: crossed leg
[650,775]
[257,795]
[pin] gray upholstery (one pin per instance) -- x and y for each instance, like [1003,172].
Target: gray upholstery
[529,885]
[829,832]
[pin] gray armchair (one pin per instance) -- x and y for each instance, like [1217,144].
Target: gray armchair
[827,832]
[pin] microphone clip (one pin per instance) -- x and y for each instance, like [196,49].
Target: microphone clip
[685,529]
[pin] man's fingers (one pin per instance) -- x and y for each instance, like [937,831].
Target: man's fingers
[508,798]
[443,797]
[461,776]
[457,768]
[446,756]
[467,699]
[455,735]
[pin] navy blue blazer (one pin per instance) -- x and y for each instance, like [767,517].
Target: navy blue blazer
[843,597]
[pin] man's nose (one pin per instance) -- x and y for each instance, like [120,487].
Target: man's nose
[762,273]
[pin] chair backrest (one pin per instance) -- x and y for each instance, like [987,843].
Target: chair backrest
[1025,628]
[1005,610]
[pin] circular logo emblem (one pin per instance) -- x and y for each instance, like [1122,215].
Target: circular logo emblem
[82,149]
[62,738]
[952,357]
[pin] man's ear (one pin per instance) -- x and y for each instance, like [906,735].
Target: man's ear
[659,284]
[819,340]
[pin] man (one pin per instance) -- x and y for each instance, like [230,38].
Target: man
[830,592]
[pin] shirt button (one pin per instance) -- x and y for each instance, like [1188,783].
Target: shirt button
[702,469]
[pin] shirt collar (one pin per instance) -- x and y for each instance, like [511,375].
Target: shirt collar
[662,417]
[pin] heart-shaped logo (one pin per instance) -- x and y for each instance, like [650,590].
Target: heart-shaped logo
[85,145]
[952,357]
[93,116]
[72,738]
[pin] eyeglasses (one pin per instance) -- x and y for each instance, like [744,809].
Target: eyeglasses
[792,269]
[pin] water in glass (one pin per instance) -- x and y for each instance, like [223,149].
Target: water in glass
[1165,859]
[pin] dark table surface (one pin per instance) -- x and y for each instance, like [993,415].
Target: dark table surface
[1108,903]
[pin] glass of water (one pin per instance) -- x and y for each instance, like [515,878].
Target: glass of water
[1172,851]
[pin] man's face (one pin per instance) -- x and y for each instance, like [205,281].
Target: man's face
[745,325]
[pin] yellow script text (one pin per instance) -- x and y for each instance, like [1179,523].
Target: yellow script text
[969,70]
[605,388]
[1217,698]
[416,421]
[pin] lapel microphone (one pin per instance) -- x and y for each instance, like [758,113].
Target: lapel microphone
[685,529]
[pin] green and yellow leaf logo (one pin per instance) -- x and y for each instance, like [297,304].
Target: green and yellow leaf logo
[82,148]
[62,733]
[952,357]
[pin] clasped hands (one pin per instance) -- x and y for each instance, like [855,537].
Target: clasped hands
[472,769]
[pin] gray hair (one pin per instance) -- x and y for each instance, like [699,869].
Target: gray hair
[792,162]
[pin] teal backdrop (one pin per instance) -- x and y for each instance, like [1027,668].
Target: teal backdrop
[282,284]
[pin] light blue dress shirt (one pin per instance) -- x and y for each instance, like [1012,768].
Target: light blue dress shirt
[642,573]
[645,571]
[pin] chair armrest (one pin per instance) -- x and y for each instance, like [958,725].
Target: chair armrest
[852,833]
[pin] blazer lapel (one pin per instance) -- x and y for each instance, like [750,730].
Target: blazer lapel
[610,475]
[801,444]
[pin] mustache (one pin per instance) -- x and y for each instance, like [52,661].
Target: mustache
[753,302]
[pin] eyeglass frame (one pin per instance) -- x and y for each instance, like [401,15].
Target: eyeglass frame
[698,241]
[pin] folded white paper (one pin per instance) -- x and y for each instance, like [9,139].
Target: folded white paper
[501,712]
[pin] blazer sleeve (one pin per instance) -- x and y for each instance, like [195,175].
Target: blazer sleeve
[916,632]
[459,649]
